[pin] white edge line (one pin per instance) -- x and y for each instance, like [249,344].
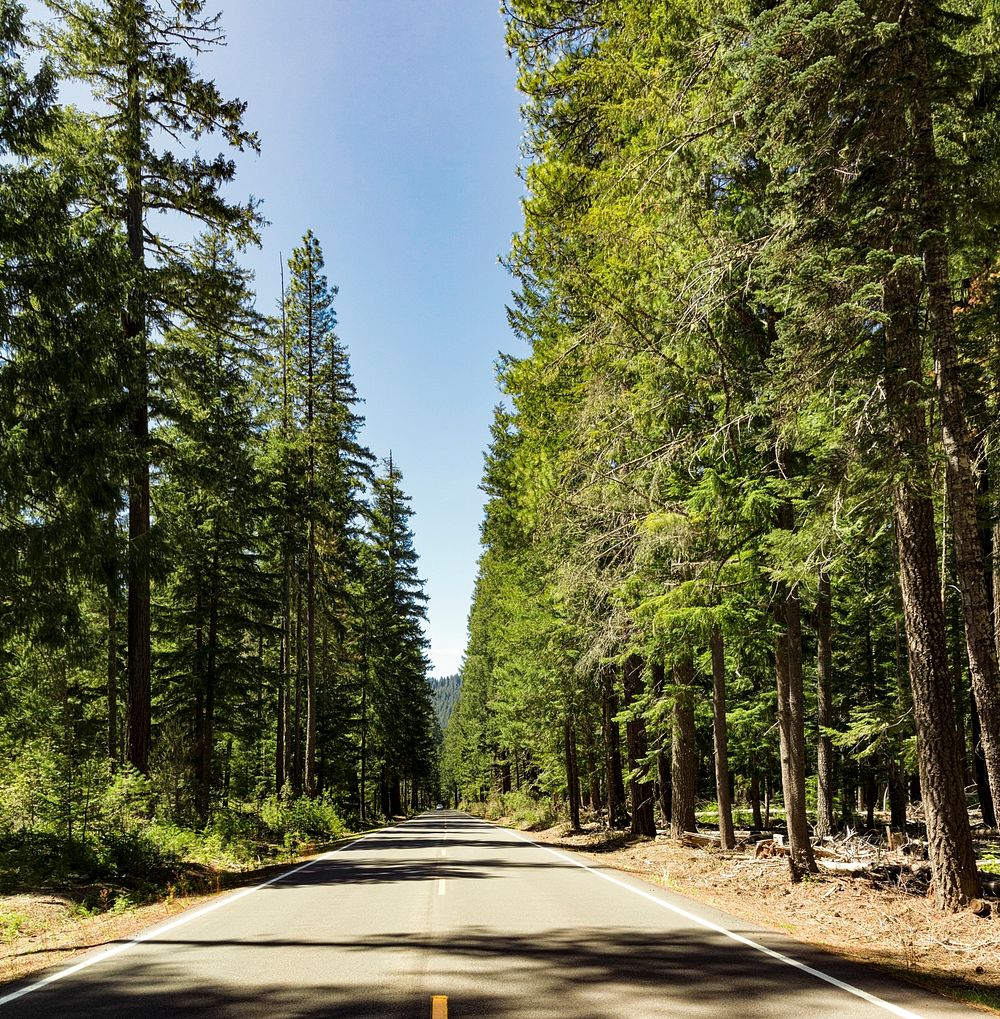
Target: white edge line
[701,921]
[186,917]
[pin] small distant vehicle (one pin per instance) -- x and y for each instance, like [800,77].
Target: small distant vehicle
[440,806]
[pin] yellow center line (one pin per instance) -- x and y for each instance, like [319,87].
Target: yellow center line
[439,1006]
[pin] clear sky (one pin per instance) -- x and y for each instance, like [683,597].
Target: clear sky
[391,129]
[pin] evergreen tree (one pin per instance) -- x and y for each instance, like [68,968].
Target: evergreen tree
[215,595]
[133,55]
[403,714]
[325,464]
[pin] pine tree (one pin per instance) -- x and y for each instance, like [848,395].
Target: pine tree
[132,55]
[325,464]
[402,710]
[215,594]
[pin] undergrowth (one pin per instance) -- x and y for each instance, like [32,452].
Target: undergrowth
[121,855]
[517,807]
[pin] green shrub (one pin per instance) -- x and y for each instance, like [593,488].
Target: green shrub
[302,817]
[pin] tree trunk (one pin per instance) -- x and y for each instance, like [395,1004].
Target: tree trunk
[112,677]
[364,752]
[683,751]
[593,772]
[658,674]
[134,320]
[612,750]
[311,700]
[897,796]
[297,730]
[824,708]
[986,804]
[572,778]
[758,820]
[640,790]
[727,837]
[969,568]
[949,838]
[791,719]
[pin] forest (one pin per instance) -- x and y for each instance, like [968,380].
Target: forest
[740,550]
[211,618]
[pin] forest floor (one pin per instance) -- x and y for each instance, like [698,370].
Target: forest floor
[895,930]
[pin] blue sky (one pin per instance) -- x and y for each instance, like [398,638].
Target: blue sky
[391,129]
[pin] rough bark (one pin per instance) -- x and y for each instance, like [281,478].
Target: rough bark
[824,708]
[970,574]
[683,751]
[949,838]
[727,836]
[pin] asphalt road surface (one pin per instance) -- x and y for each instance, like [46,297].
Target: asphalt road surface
[447,915]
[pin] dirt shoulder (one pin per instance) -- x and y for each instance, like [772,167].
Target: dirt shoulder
[43,929]
[953,954]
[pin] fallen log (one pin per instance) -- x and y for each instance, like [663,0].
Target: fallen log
[695,838]
[853,867]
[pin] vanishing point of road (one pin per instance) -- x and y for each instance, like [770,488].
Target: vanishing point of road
[448,916]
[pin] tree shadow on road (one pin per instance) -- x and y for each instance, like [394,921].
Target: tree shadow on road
[589,973]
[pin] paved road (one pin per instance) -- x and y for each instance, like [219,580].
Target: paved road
[446,905]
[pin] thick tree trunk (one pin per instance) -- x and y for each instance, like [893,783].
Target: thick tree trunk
[969,568]
[727,836]
[612,750]
[683,751]
[640,791]
[791,718]
[824,708]
[949,838]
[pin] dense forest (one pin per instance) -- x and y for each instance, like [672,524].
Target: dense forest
[211,616]
[740,543]
[445,693]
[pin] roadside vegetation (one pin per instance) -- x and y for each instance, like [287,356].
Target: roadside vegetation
[211,618]
[741,534]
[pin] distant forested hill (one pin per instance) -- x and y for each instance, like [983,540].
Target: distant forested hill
[445,692]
